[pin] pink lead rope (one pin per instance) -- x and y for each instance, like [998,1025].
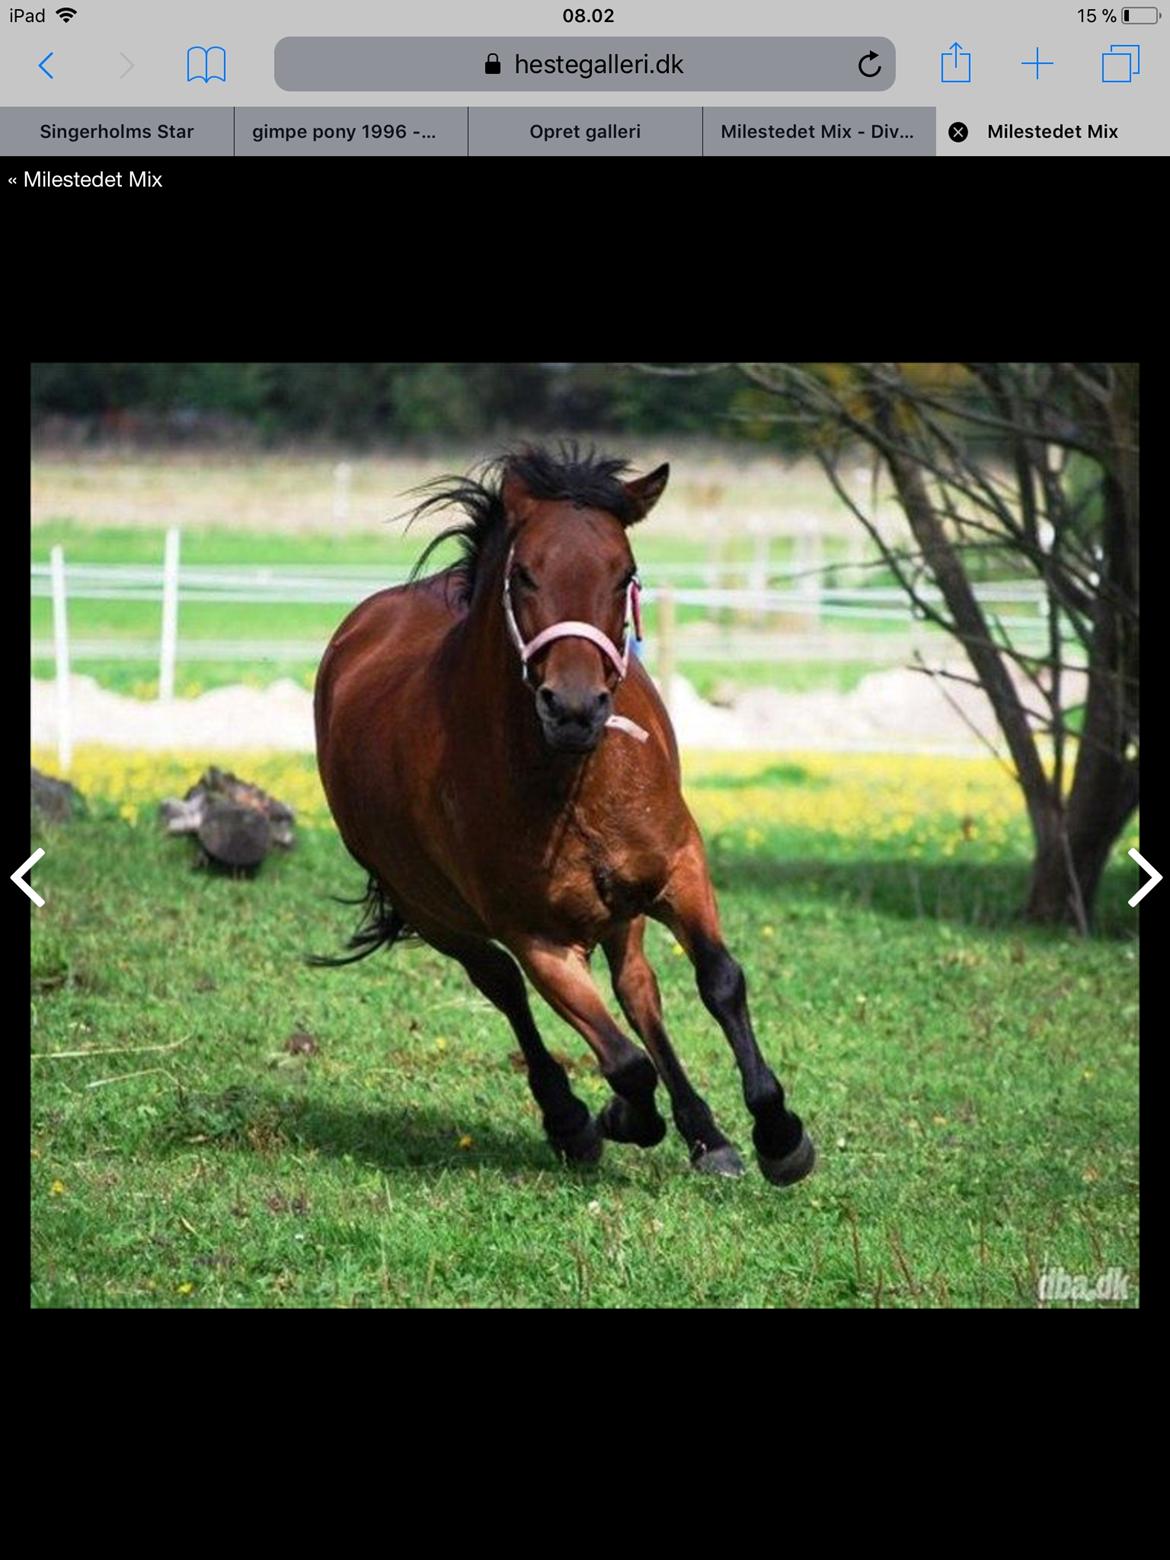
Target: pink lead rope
[571,629]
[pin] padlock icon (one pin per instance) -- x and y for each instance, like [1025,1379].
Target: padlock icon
[491,66]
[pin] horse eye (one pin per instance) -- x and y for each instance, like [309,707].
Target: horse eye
[524,577]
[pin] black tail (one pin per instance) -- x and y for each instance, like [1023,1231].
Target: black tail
[380,926]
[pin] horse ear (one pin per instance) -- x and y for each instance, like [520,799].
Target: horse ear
[515,498]
[645,492]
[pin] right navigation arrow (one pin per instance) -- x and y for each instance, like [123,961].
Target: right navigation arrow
[1155,879]
[129,66]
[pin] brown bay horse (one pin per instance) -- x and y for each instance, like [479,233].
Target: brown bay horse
[507,775]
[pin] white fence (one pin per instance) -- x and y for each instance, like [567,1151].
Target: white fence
[815,617]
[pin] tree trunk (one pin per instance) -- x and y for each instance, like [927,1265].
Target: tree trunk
[1053,896]
[1072,851]
[971,628]
[1074,839]
[1073,847]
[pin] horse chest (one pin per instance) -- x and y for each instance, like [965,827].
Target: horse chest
[606,876]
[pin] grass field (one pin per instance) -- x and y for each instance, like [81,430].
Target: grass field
[971,1084]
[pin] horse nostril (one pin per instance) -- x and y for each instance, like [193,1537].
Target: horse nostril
[547,700]
[603,701]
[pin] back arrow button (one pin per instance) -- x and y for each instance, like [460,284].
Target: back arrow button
[41,65]
[27,888]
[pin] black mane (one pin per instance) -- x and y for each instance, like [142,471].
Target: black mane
[585,479]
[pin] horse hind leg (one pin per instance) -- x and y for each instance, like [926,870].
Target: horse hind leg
[567,1123]
[636,988]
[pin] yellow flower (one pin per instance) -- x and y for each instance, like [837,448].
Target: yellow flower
[124,775]
[186,1289]
[465,1141]
[57,1189]
[768,931]
[440,1043]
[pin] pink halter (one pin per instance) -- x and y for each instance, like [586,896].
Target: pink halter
[571,629]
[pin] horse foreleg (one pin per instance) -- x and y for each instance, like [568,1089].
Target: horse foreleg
[784,1149]
[636,988]
[566,1119]
[562,977]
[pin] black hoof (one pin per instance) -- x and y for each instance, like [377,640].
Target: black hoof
[793,1167]
[719,1161]
[582,1148]
[618,1122]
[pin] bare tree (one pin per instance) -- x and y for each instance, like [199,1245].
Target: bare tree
[1036,466]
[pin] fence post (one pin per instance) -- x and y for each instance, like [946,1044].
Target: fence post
[810,557]
[341,475]
[758,577]
[666,644]
[170,616]
[61,650]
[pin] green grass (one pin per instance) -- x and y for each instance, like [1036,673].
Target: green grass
[723,678]
[971,1086]
[389,542]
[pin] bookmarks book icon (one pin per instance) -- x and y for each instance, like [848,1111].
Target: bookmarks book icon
[206,64]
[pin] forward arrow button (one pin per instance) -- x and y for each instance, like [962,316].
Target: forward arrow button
[1155,879]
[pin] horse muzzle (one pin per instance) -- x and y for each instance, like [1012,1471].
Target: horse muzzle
[573,723]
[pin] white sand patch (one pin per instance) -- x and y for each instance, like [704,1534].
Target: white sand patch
[889,711]
[279,716]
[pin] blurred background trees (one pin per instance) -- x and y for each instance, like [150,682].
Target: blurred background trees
[360,404]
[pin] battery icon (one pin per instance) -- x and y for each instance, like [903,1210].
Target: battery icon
[1140,13]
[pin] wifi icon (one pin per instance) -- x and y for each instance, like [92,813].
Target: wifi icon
[67,13]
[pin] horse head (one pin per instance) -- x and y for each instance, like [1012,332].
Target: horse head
[570,590]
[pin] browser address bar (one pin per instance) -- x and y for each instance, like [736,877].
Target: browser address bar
[853,64]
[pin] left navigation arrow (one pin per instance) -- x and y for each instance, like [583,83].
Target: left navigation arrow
[41,65]
[18,877]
